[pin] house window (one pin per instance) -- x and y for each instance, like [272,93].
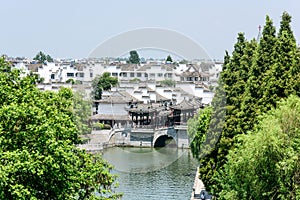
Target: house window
[139,74]
[70,74]
[114,74]
[159,74]
[196,78]
[124,74]
[91,74]
[146,75]
[52,76]
[152,75]
[131,74]
[169,75]
[81,75]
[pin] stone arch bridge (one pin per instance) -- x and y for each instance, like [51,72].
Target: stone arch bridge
[150,137]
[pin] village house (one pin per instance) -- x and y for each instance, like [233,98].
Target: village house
[111,109]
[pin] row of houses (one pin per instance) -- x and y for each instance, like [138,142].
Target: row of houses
[85,71]
[120,109]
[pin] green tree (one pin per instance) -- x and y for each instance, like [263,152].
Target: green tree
[49,58]
[266,163]
[280,78]
[37,77]
[41,57]
[169,59]
[183,61]
[253,104]
[209,154]
[38,156]
[255,77]
[295,75]
[246,62]
[232,82]
[235,77]
[103,83]
[197,129]
[134,57]
[70,80]
[82,112]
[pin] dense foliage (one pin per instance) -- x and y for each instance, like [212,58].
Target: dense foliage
[41,57]
[266,162]
[255,77]
[103,83]
[169,59]
[82,112]
[197,131]
[38,156]
[134,57]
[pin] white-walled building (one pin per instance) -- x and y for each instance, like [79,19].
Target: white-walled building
[22,67]
[147,72]
[140,81]
[56,72]
[89,70]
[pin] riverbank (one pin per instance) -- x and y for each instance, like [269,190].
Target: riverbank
[197,187]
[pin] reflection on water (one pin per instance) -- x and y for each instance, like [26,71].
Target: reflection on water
[145,173]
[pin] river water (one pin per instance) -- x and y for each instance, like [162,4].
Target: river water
[153,174]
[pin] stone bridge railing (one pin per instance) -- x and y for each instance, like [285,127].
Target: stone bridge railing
[124,136]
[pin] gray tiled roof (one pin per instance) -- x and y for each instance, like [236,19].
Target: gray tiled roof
[184,105]
[118,97]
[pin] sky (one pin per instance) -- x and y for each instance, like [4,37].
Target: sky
[73,28]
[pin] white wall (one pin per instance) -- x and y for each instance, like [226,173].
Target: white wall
[93,69]
[23,68]
[113,109]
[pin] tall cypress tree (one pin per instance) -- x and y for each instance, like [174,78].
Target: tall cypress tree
[230,77]
[264,58]
[209,152]
[242,62]
[230,73]
[230,84]
[246,63]
[295,75]
[254,78]
[280,81]
[238,66]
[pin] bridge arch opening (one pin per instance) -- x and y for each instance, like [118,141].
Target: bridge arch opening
[165,141]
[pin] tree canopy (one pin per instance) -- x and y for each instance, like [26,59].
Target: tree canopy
[134,57]
[103,83]
[82,112]
[41,57]
[38,156]
[266,162]
[197,131]
[255,77]
[169,59]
